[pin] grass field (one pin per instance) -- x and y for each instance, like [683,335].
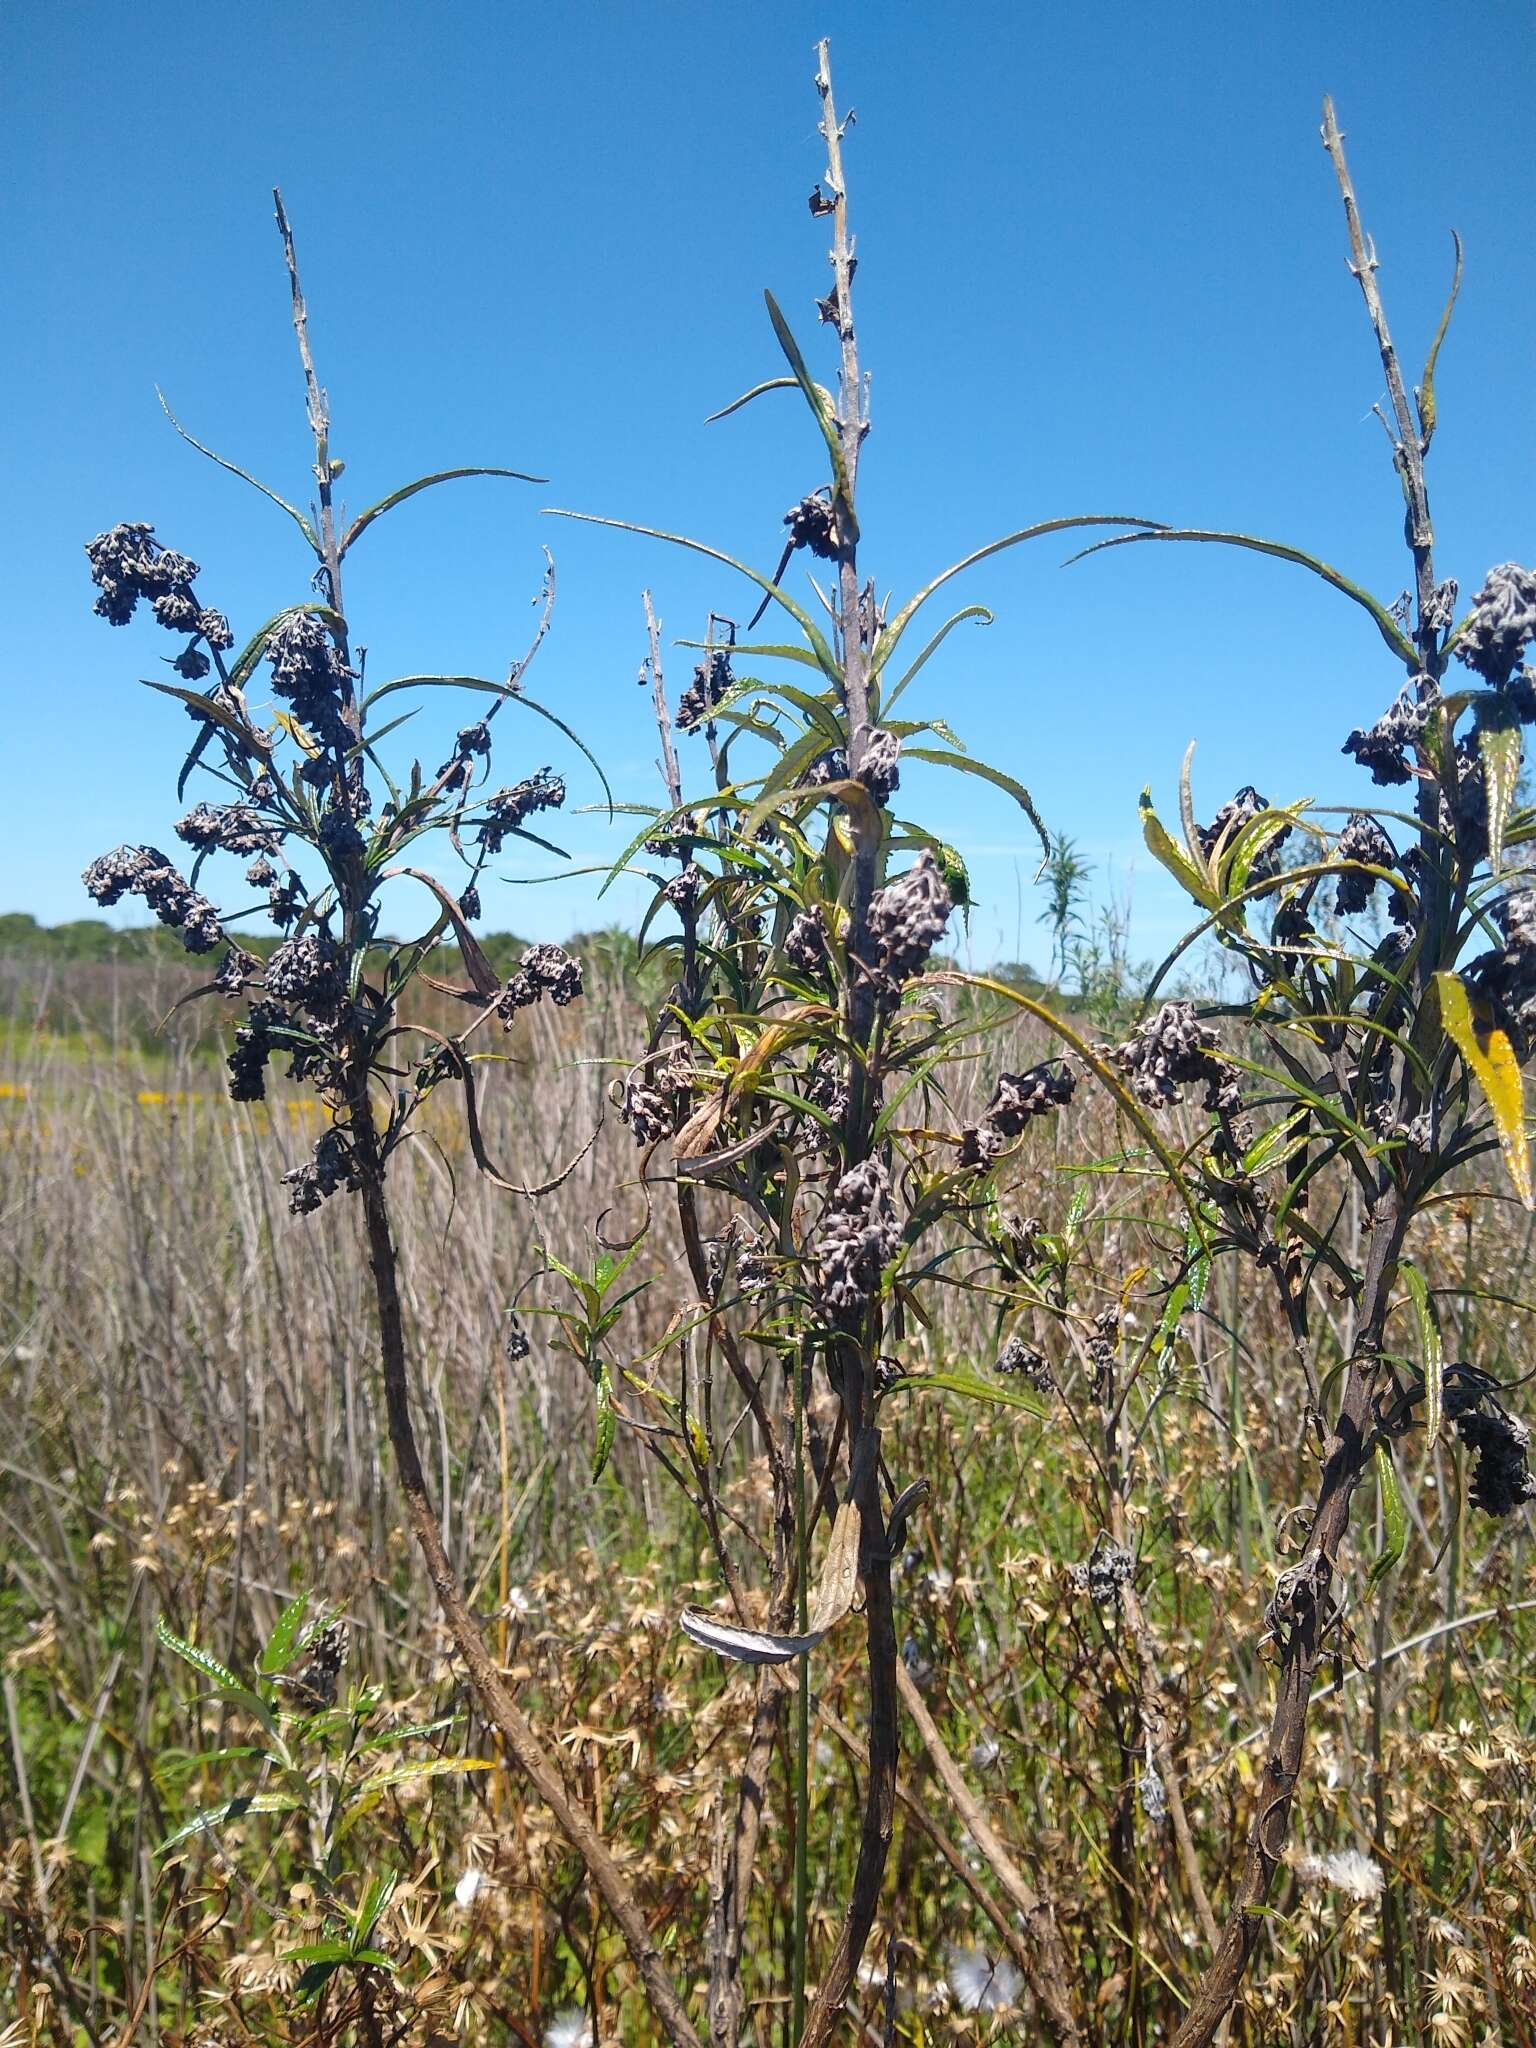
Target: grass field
[193,1436]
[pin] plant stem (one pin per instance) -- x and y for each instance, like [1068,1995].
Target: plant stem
[490,1688]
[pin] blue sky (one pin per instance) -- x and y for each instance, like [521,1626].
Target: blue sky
[1102,270]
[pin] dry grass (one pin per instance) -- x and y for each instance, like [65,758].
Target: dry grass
[193,1433]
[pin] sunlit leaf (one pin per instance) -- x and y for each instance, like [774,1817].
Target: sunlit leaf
[746,398]
[1167,851]
[1394,1518]
[1491,1058]
[999,1393]
[1426,391]
[1500,749]
[244,474]
[364,520]
[887,641]
[964,765]
[284,1638]
[607,1422]
[1430,1347]
[1386,625]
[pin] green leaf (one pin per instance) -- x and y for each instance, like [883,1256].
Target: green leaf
[1394,1517]
[1430,1346]
[318,1952]
[220,1677]
[978,612]
[817,640]
[973,1388]
[283,1641]
[1167,851]
[1500,749]
[230,1810]
[374,1789]
[313,1981]
[964,765]
[376,1896]
[887,642]
[245,736]
[819,399]
[1386,625]
[1426,391]
[244,474]
[746,398]
[606,1424]
[1491,1058]
[364,520]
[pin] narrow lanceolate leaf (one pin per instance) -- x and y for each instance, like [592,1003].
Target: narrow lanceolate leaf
[374,1789]
[834,1596]
[965,766]
[997,1392]
[1386,625]
[284,1639]
[819,399]
[255,481]
[219,1676]
[607,1422]
[364,520]
[1426,391]
[746,398]
[1166,850]
[1500,749]
[380,1890]
[230,1810]
[1491,1058]
[1430,1347]
[1394,1518]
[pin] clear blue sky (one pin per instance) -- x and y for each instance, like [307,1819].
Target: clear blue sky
[1102,269]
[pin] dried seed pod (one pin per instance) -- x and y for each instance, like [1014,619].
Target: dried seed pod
[1020,1360]
[322,1176]
[1502,1479]
[880,774]
[858,1235]
[313,1686]
[812,525]
[1386,746]
[229,828]
[1362,840]
[145,872]
[907,919]
[1502,623]
[805,943]
[1166,1053]
[309,973]
[1105,1570]
[712,680]
[510,808]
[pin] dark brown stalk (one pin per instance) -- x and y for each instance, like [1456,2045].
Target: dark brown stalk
[490,1687]
[1301,1615]
[855,622]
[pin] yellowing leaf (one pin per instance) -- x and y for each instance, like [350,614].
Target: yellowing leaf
[1488,1052]
[1500,748]
[1172,856]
